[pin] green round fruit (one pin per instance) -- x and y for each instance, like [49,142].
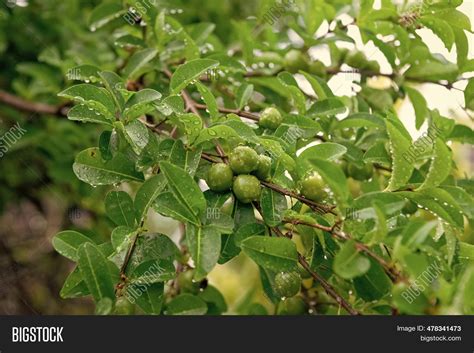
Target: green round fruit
[287,284]
[410,207]
[317,68]
[123,307]
[295,61]
[313,187]
[270,118]
[264,167]
[292,306]
[360,174]
[219,177]
[186,283]
[247,188]
[356,59]
[243,160]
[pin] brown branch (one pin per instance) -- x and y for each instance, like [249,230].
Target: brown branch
[314,205]
[393,273]
[32,107]
[327,287]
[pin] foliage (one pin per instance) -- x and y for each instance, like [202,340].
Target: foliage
[183,88]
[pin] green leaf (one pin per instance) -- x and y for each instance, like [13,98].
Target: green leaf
[416,232]
[455,18]
[438,202]
[327,107]
[95,98]
[243,95]
[328,151]
[190,124]
[462,134]
[188,72]
[153,271]
[273,205]
[74,286]
[319,86]
[105,13]
[85,73]
[137,62]
[440,166]
[297,96]
[147,194]
[209,99]
[440,28]
[469,95]
[186,304]
[184,188]
[214,299]
[95,271]
[462,46]
[204,245]
[92,169]
[148,297]
[168,205]
[67,242]
[349,263]
[217,132]
[185,158]
[141,103]
[119,208]
[419,105]
[466,251]
[136,134]
[431,70]
[113,83]
[402,166]
[374,284]
[361,120]
[277,254]
[84,114]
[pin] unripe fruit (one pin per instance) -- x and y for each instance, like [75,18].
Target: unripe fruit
[123,307]
[219,177]
[313,188]
[295,61]
[246,188]
[186,283]
[360,174]
[292,306]
[243,160]
[270,118]
[317,68]
[264,167]
[356,59]
[287,284]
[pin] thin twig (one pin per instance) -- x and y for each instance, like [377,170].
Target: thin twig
[389,269]
[34,107]
[327,287]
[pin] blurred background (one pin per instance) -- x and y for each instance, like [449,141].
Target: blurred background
[40,40]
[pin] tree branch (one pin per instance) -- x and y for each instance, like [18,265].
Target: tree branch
[391,271]
[327,287]
[31,107]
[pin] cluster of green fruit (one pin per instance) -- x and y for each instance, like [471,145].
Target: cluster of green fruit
[295,61]
[243,161]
